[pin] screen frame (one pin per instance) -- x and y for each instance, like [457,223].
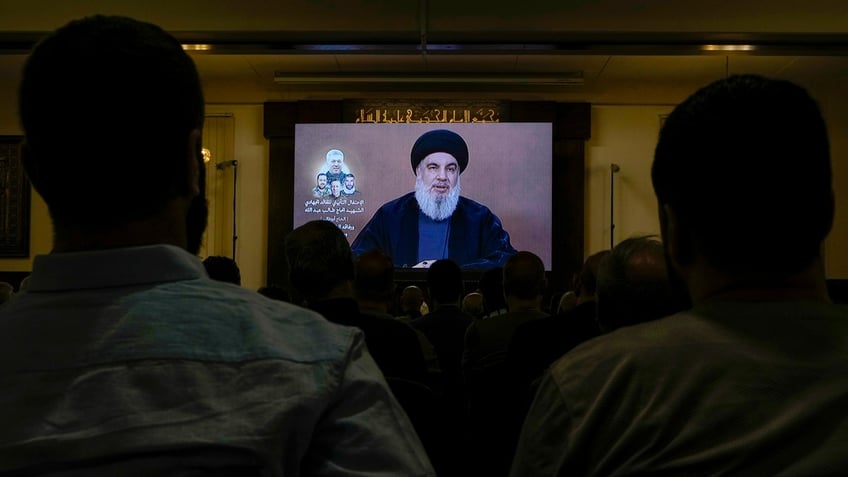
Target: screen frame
[508,172]
[571,129]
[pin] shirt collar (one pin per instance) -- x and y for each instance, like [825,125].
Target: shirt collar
[113,268]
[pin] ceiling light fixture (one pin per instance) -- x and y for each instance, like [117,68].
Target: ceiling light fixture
[728,47]
[196,47]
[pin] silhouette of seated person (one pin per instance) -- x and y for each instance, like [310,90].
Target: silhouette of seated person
[124,357]
[322,273]
[374,288]
[474,305]
[411,303]
[446,323]
[633,285]
[445,327]
[487,341]
[490,286]
[536,345]
[491,395]
[751,379]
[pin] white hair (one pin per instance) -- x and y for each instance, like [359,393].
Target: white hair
[333,153]
[437,208]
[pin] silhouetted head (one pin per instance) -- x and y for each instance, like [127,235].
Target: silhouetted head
[742,170]
[633,284]
[319,259]
[444,280]
[375,277]
[411,299]
[111,110]
[524,276]
[472,304]
[586,282]
[491,286]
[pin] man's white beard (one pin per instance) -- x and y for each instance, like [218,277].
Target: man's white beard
[437,208]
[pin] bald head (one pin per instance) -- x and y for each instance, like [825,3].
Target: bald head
[633,284]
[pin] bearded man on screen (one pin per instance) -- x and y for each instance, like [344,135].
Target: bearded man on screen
[434,222]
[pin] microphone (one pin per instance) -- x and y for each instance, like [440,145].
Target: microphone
[614,168]
[225,164]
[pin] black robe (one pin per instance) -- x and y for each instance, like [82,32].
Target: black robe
[477,239]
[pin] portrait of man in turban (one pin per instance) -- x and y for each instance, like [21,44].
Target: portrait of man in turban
[434,221]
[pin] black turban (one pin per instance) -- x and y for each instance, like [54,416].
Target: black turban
[440,140]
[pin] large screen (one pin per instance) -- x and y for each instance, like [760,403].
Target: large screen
[508,171]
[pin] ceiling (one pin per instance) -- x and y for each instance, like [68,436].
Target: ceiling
[626,52]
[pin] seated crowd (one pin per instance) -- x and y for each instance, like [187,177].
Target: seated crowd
[713,350]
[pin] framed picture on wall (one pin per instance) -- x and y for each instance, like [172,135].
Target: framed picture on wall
[14,200]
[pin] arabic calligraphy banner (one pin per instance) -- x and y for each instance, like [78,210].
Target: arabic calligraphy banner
[425,111]
[14,200]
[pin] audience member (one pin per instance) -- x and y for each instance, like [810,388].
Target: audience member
[490,286]
[7,291]
[412,304]
[751,380]
[537,344]
[586,283]
[491,396]
[223,269]
[566,302]
[321,271]
[374,287]
[24,284]
[633,285]
[487,341]
[123,357]
[473,304]
[445,327]
[374,283]
[551,303]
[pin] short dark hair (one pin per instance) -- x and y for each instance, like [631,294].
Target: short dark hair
[444,281]
[375,277]
[524,276]
[107,144]
[588,275]
[319,259]
[491,286]
[222,269]
[744,163]
[321,174]
[633,285]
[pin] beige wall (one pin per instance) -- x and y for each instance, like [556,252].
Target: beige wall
[835,107]
[625,136]
[251,152]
